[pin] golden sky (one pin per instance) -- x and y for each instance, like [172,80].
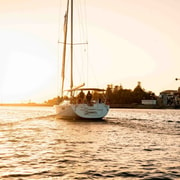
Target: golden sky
[129,41]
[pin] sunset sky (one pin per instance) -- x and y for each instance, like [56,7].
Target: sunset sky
[128,41]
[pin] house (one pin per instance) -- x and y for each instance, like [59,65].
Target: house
[170,97]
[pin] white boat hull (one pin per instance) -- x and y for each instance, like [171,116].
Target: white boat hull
[85,111]
[64,110]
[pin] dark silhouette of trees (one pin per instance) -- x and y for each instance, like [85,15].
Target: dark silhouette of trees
[118,95]
[54,101]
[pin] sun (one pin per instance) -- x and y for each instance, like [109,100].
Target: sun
[24,76]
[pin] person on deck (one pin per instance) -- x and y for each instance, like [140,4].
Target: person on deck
[89,97]
[81,96]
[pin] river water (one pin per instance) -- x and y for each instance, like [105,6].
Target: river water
[127,144]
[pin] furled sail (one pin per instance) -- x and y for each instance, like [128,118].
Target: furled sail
[64,47]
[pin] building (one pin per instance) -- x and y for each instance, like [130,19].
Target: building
[170,97]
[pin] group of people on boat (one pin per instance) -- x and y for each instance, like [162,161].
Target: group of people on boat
[81,97]
[88,98]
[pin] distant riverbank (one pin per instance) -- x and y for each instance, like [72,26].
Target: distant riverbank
[23,104]
[138,106]
[141,106]
[130,106]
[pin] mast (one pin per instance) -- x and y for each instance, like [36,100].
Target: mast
[71,75]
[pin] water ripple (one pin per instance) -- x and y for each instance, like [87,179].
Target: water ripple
[127,144]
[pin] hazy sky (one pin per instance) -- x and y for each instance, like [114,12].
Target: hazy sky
[129,41]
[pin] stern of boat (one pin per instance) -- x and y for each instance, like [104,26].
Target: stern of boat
[92,111]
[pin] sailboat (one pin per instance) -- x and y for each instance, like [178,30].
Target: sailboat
[93,104]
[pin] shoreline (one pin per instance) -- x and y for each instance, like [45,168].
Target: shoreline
[114,106]
[21,104]
[141,106]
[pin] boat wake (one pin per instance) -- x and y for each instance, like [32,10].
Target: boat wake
[148,125]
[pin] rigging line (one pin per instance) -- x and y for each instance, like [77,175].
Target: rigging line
[81,27]
[86,39]
[83,36]
[86,33]
[83,23]
[85,15]
[84,11]
[79,38]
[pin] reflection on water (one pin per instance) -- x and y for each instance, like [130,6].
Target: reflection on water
[127,144]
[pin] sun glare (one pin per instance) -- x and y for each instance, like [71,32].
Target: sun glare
[25,74]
